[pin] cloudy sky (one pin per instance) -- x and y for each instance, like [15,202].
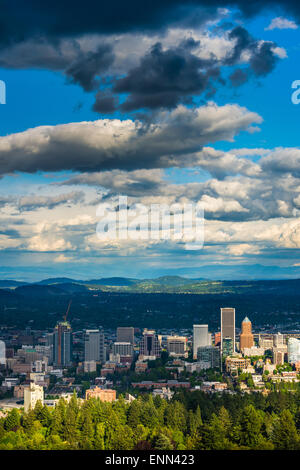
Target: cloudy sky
[166,102]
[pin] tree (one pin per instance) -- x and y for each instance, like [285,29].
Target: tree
[194,420]
[99,436]
[163,442]
[87,432]
[285,436]
[12,422]
[249,426]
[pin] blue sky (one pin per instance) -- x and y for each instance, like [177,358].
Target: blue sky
[241,162]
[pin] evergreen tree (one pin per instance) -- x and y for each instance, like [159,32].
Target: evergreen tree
[285,436]
[12,421]
[163,443]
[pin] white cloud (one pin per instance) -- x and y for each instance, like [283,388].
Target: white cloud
[281,23]
[112,143]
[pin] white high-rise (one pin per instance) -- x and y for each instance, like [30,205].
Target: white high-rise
[293,350]
[94,346]
[200,338]
[32,395]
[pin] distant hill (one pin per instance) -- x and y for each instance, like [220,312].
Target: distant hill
[35,290]
[56,280]
[162,284]
[10,283]
[111,281]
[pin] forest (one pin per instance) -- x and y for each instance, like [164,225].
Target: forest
[190,421]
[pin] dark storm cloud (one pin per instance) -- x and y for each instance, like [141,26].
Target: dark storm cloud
[262,57]
[163,78]
[105,103]
[88,66]
[21,20]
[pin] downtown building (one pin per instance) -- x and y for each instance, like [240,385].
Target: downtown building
[150,347]
[94,348]
[32,395]
[62,344]
[201,338]
[293,350]
[209,355]
[227,329]
[176,346]
[122,348]
[125,334]
[246,336]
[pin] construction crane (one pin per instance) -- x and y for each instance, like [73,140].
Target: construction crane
[67,312]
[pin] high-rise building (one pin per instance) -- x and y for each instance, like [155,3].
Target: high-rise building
[279,340]
[200,338]
[278,356]
[266,342]
[176,345]
[246,336]
[94,346]
[62,344]
[228,325]
[293,350]
[123,349]
[125,334]
[32,395]
[150,346]
[50,344]
[227,347]
[217,338]
[209,354]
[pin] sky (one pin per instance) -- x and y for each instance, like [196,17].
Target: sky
[165,103]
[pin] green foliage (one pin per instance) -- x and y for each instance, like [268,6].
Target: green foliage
[189,421]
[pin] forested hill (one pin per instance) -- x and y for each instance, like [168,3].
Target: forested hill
[157,303]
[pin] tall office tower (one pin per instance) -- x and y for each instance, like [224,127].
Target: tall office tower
[293,350]
[62,344]
[125,334]
[150,346]
[94,346]
[228,325]
[209,355]
[246,336]
[49,343]
[200,338]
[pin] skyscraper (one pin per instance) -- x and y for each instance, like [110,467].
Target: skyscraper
[228,325]
[293,350]
[94,346]
[210,355]
[62,344]
[200,338]
[246,336]
[150,345]
[125,334]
